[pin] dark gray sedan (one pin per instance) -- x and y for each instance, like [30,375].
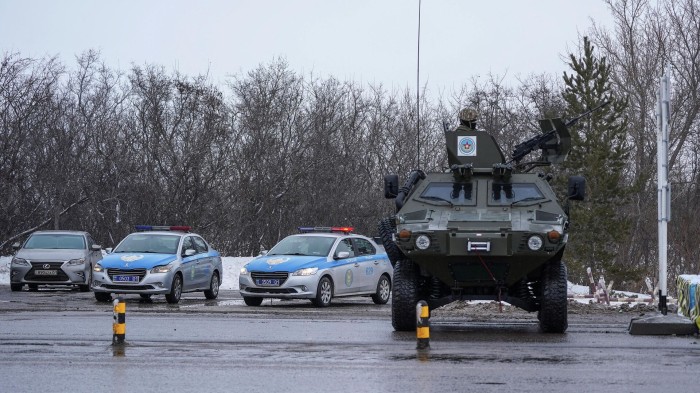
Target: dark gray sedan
[54,258]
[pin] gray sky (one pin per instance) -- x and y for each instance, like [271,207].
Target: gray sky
[361,40]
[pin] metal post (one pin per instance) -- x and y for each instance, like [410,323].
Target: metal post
[422,325]
[119,325]
[663,187]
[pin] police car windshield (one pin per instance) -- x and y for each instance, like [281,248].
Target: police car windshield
[149,243]
[56,241]
[303,245]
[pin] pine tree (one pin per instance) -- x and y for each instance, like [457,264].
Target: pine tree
[599,152]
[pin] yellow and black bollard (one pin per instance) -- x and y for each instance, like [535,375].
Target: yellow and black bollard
[422,325]
[119,325]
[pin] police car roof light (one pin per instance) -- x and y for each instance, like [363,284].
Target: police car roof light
[184,228]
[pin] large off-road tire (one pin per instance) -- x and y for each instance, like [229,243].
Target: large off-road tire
[387,227]
[383,292]
[405,296]
[553,306]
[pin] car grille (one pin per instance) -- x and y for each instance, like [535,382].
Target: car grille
[141,273]
[32,276]
[282,276]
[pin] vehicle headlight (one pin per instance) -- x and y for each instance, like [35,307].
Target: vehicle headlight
[309,271]
[75,262]
[162,269]
[20,262]
[98,268]
[244,271]
[422,242]
[534,242]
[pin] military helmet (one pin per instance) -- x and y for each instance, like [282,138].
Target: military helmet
[467,114]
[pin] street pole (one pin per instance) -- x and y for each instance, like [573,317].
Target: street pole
[663,187]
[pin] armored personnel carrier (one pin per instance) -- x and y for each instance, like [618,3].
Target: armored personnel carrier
[485,229]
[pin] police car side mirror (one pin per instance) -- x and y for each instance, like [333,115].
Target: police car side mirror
[342,255]
[108,250]
[16,246]
[189,252]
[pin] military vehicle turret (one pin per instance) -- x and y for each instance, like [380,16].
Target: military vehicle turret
[485,229]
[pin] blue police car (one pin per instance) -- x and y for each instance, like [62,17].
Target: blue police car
[318,264]
[166,260]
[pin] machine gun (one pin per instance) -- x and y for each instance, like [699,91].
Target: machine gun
[551,128]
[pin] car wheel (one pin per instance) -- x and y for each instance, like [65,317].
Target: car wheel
[324,293]
[145,296]
[16,287]
[383,291]
[553,306]
[33,287]
[387,226]
[252,301]
[213,290]
[86,287]
[103,296]
[403,304]
[175,290]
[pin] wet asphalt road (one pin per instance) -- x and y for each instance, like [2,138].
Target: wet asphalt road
[60,341]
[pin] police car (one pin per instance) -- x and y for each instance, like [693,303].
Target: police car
[167,260]
[318,264]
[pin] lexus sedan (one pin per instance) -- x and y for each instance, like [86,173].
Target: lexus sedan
[54,257]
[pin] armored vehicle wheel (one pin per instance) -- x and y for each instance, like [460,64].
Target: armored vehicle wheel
[403,304]
[553,314]
[387,227]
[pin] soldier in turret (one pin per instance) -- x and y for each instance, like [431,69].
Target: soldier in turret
[467,119]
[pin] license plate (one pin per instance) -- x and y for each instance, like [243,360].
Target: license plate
[46,272]
[125,279]
[267,282]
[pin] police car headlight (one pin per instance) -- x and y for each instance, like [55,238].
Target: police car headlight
[98,268]
[422,242]
[20,262]
[244,271]
[161,269]
[534,243]
[309,271]
[75,262]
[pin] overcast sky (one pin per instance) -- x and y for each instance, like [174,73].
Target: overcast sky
[368,41]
